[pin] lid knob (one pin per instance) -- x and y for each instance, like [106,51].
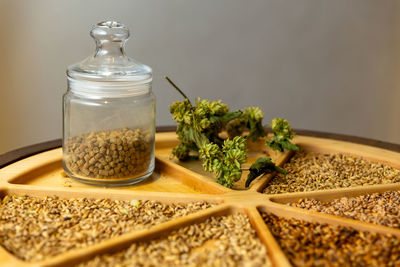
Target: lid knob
[110,37]
[110,31]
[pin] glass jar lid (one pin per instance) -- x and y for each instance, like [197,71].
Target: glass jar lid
[109,72]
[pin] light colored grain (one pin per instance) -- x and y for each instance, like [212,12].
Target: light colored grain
[378,208]
[35,229]
[312,171]
[219,241]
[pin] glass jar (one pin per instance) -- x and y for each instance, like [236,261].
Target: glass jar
[109,114]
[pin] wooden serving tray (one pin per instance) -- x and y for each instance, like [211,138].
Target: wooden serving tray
[172,182]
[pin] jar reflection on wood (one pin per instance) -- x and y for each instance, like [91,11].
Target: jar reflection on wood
[109,114]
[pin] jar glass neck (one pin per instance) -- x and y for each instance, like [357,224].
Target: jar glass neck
[106,48]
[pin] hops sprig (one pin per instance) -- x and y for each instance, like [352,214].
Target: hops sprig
[181,111]
[251,120]
[226,161]
[199,128]
[282,136]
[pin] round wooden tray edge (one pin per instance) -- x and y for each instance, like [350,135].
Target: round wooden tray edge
[27,151]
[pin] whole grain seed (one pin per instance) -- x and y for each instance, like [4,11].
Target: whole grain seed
[34,229]
[377,208]
[121,153]
[219,241]
[311,171]
[314,244]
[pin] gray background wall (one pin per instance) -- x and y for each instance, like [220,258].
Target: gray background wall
[324,65]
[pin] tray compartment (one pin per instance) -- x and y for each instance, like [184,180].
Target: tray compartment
[289,212]
[45,169]
[316,171]
[329,195]
[376,207]
[224,210]
[53,226]
[314,244]
[255,150]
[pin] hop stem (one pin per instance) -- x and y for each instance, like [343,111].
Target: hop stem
[177,88]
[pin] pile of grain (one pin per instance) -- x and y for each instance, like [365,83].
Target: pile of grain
[311,171]
[378,208]
[314,244]
[227,240]
[34,229]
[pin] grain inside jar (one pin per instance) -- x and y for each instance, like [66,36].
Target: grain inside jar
[120,153]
